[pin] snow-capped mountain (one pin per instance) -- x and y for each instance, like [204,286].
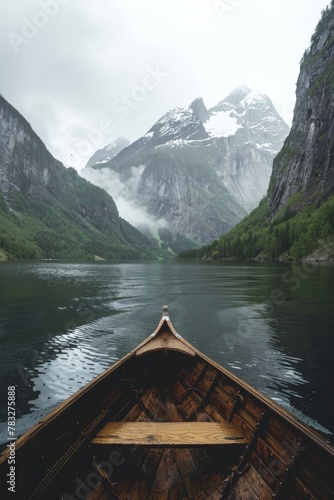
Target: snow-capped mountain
[251,113]
[107,153]
[202,170]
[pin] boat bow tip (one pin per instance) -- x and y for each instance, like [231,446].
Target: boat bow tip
[165,338]
[165,313]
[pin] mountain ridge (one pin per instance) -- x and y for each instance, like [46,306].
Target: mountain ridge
[108,152]
[203,170]
[48,211]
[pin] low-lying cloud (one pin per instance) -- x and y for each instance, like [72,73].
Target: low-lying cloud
[125,195]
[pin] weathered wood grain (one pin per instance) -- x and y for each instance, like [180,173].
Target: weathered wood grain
[169,434]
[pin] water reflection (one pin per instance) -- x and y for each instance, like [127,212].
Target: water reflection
[248,342]
[77,362]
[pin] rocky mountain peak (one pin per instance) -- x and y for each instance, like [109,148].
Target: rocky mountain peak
[108,152]
[233,99]
[180,123]
[201,170]
[199,109]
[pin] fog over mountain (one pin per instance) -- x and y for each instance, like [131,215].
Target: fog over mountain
[49,211]
[125,194]
[197,171]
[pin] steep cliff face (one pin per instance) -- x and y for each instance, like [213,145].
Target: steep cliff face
[202,170]
[296,219]
[25,164]
[47,210]
[305,165]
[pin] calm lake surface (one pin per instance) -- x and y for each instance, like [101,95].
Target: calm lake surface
[61,324]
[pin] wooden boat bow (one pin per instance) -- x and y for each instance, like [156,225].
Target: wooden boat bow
[167,422]
[166,338]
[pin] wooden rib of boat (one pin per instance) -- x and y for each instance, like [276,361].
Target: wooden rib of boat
[166,422]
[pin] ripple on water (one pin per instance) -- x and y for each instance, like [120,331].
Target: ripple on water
[73,359]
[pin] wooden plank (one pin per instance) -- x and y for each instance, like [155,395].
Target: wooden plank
[159,490]
[190,405]
[203,387]
[213,414]
[126,478]
[271,461]
[145,476]
[210,375]
[159,411]
[210,479]
[172,412]
[176,487]
[168,484]
[264,472]
[247,417]
[320,465]
[223,404]
[253,408]
[122,404]
[297,490]
[317,488]
[251,485]
[227,386]
[192,377]
[149,399]
[133,414]
[177,390]
[143,417]
[169,434]
[191,476]
[243,426]
[283,439]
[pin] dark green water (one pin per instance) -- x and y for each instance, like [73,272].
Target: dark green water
[61,324]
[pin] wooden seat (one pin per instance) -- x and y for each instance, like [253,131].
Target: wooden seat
[169,434]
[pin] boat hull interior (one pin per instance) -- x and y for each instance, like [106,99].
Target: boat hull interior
[168,423]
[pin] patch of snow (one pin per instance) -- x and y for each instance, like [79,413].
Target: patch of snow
[105,160]
[267,146]
[221,124]
[178,142]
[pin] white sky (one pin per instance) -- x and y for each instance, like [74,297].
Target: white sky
[79,69]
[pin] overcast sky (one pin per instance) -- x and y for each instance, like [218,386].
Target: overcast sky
[84,72]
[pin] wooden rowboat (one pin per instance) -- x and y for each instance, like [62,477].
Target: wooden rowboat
[166,422]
